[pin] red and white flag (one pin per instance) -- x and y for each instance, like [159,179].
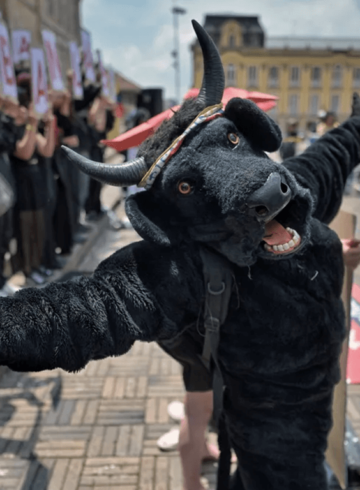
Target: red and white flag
[39,81]
[8,81]
[21,43]
[53,62]
[88,61]
[75,65]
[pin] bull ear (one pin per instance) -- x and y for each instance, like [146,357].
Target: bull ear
[257,127]
[146,216]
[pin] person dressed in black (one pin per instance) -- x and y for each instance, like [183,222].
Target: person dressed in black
[26,159]
[8,138]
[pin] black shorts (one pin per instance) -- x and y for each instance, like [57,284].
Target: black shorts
[187,350]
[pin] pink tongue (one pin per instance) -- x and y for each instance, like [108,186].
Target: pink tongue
[275,234]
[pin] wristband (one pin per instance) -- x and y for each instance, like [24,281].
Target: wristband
[30,127]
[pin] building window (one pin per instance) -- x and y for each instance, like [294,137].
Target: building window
[230,78]
[356,78]
[316,76]
[335,103]
[252,76]
[337,76]
[293,105]
[231,41]
[51,7]
[314,105]
[273,113]
[273,77]
[294,76]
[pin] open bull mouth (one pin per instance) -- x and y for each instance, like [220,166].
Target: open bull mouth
[282,234]
[279,240]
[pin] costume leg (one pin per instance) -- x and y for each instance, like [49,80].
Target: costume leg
[281,447]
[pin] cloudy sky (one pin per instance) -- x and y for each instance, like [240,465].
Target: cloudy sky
[137,36]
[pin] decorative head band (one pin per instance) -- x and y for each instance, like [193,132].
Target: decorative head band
[206,115]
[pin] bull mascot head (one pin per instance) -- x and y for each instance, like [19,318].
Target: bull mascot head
[208,179]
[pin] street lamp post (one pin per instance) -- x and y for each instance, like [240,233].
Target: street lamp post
[176,53]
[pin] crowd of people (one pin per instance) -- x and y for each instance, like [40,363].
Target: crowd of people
[43,198]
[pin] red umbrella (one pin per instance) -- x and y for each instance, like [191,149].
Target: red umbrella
[135,136]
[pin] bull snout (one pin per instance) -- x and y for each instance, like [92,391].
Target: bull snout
[265,203]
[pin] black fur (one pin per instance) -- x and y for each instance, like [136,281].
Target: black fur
[254,124]
[280,343]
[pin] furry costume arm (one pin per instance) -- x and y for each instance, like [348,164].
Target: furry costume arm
[68,324]
[324,167]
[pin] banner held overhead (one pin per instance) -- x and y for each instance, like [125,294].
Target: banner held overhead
[39,82]
[53,62]
[88,62]
[75,66]
[8,81]
[21,43]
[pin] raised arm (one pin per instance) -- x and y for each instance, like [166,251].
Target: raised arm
[68,324]
[325,165]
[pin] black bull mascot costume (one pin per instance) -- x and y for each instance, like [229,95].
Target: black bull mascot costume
[214,197]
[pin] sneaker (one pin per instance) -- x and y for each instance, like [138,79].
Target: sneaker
[45,272]
[9,289]
[176,411]
[170,440]
[37,278]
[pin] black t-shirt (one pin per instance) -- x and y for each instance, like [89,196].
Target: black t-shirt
[30,187]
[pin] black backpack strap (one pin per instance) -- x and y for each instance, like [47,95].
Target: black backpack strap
[218,287]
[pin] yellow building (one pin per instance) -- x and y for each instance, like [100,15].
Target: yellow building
[307,74]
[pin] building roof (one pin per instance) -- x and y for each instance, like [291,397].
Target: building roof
[332,43]
[126,84]
[249,23]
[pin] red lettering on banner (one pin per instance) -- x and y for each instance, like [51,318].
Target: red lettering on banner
[54,65]
[24,45]
[40,92]
[9,75]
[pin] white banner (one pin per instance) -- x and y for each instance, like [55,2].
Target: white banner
[21,43]
[104,76]
[39,81]
[53,62]
[75,66]
[112,85]
[8,80]
[88,61]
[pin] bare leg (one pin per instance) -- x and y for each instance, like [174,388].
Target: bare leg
[192,443]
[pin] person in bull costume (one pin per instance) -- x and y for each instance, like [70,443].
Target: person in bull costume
[235,248]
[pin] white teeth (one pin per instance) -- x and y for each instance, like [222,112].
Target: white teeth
[285,246]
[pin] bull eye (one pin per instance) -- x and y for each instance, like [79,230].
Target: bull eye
[185,188]
[233,138]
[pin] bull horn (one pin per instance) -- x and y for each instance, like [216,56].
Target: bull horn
[129,173]
[213,83]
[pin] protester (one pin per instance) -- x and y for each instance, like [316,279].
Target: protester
[8,137]
[101,120]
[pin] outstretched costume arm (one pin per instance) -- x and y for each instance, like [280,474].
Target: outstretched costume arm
[68,324]
[325,165]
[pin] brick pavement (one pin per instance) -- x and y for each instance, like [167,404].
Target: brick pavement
[96,429]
